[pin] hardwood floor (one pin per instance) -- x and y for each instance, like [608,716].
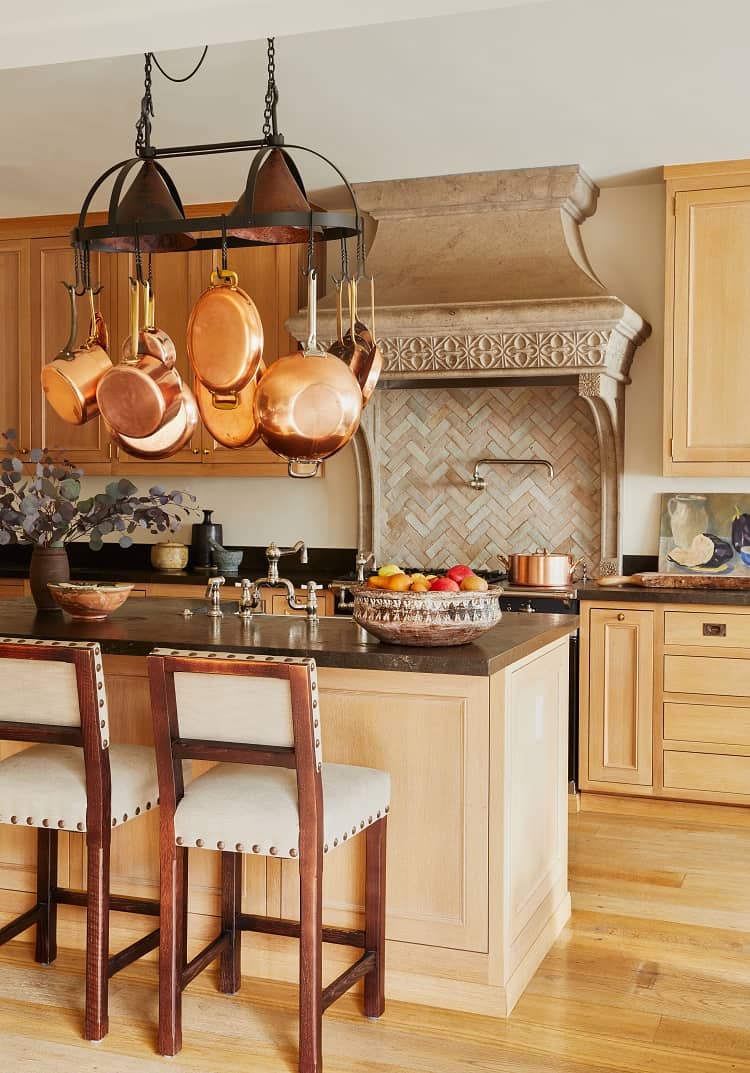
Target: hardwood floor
[651,976]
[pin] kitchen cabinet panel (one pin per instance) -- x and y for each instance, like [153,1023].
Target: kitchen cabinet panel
[707,322]
[51,263]
[707,773]
[620,697]
[719,676]
[713,723]
[15,327]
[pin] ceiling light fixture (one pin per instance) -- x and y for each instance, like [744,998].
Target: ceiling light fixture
[272,209]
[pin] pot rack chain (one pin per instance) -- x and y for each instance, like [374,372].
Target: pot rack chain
[270,128]
[143,126]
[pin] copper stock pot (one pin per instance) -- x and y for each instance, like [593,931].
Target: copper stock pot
[540,569]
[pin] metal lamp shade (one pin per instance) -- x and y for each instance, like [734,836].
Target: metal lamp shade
[277,189]
[151,198]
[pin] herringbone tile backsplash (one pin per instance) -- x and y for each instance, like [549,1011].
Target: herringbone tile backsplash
[428,442]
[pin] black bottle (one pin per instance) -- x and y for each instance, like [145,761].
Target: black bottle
[200,548]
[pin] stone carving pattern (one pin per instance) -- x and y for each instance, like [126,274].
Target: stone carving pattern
[507,350]
[426,444]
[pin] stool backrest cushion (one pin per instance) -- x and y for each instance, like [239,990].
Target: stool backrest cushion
[220,708]
[41,685]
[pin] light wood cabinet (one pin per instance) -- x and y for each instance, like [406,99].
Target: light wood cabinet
[706,430]
[35,256]
[619,697]
[10,588]
[665,701]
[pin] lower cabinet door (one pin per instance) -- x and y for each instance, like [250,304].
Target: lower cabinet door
[620,706]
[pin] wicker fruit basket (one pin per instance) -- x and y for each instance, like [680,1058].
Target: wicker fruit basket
[426,619]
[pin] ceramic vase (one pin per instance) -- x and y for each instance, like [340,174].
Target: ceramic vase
[47,564]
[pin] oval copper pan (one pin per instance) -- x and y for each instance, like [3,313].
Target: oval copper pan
[171,437]
[225,337]
[229,418]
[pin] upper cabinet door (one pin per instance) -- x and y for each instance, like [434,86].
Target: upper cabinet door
[706,365]
[15,401]
[52,263]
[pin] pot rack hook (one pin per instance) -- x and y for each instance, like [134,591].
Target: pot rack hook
[79,287]
[310,249]
[138,258]
[86,262]
[224,246]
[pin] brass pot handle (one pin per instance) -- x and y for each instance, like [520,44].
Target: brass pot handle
[314,463]
[67,352]
[225,401]
[222,276]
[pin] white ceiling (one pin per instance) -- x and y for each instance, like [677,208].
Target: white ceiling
[619,86]
[53,31]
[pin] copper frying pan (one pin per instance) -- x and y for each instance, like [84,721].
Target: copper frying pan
[70,380]
[174,434]
[141,394]
[224,335]
[230,418]
[308,404]
[367,359]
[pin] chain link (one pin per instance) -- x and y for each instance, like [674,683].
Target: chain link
[271,90]
[143,126]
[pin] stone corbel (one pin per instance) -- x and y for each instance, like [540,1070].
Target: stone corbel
[606,398]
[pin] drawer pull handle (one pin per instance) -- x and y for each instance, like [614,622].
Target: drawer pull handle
[714,629]
[621,617]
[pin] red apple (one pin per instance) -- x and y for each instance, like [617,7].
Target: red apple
[459,572]
[444,584]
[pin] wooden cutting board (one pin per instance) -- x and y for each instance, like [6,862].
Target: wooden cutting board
[686,581]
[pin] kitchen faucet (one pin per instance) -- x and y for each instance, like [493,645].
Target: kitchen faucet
[479,483]
[273,581]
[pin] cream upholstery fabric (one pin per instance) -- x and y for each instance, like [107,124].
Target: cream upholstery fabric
[38,691]
[44,785]
[225,708]
[257,709]
[254,809]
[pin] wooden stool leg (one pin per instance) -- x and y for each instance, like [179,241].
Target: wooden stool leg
[96,1022]
[311,963]
[375,845]
[230,972]
[172,946]
[46,881]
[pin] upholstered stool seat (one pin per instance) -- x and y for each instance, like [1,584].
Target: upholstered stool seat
[45,786]
[254,809]
[258,719]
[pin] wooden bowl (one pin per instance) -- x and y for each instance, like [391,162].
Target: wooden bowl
[426,619]
[89,600]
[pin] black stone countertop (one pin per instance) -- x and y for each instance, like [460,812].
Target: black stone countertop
[648,595]
[141,625]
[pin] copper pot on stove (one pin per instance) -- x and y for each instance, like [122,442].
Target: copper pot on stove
[541,569]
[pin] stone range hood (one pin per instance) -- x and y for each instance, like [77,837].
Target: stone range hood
[482,279]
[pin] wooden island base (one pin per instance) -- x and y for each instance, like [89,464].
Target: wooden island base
[477,853]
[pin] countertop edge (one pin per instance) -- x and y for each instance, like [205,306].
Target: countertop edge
[528,648]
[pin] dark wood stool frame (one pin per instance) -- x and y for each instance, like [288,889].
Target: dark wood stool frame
[96,899]
[175,972]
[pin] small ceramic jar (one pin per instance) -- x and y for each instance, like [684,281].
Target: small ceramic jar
[169,555]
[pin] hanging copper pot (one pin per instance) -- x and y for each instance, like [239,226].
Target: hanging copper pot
[308,405]
[230,418]
[367,359]
[224,335]
[174,434]
[141,394]
[70,380]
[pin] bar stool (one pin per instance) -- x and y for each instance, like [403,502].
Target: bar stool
[269,793]
[71,779]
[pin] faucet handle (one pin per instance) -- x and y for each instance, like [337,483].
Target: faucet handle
[361,562]
[213,585]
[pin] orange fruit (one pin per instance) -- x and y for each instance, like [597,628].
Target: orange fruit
[376,582]
[397,582]
[420,585]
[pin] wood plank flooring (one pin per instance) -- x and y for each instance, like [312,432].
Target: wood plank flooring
[651,976]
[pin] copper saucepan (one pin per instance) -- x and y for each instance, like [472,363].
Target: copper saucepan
[308,404]
[367,359]
[230,418]
[70,380]
[224,335]
[142,393]
[171,436]
[541,569]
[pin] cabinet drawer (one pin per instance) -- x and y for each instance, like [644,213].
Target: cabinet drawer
[720,676]
[708,772]
[707,722]
[706,629]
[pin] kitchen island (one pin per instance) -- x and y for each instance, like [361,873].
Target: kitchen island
[475,738]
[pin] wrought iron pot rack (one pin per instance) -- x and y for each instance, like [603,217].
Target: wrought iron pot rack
[152,232]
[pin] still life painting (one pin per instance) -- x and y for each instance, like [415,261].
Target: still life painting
[705,533]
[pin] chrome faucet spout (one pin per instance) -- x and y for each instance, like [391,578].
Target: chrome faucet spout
[479,483]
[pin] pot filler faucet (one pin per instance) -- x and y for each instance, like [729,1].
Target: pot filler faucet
[479,483]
